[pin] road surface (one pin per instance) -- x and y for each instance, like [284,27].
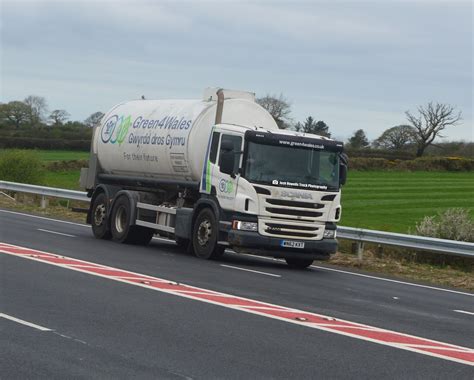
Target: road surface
[169,315]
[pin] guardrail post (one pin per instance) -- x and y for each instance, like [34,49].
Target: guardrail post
[360,250]
[44,201]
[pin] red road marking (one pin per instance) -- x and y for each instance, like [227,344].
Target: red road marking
[355,330]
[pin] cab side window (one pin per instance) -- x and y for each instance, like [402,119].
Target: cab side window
[237,144]
[214,145]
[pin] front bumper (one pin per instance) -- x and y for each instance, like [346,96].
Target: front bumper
[254,243]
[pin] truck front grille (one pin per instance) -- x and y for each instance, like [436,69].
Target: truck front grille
[279,229]
[291,229]
[300,217]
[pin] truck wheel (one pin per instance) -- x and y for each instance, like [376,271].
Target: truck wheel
[298,263]
[205,236]
[121,229]
[99,217]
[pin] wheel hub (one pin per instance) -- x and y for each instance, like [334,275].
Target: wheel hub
[120,220]
[204,232]
[99,215]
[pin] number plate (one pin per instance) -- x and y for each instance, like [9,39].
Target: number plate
[292,244]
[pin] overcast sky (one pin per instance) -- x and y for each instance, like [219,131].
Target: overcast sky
[353,64]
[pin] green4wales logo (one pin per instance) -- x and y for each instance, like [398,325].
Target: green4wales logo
[226,186]
[115,129]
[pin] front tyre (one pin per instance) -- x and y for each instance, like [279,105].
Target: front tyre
[205,236]
[298,263]
[99,217]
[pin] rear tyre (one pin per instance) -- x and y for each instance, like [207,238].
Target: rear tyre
[120,227]
[99,217]
[205,236]
[298,263]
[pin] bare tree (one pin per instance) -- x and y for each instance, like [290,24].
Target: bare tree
[15,112]
[278,107]
[58,117]
[94,119]
[430,122]
[38,106]
[396,138]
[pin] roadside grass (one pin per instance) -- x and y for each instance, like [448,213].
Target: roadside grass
[395,201]
[59,155]
[398,267]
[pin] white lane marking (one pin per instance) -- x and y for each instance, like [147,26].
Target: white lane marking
[303,321]
[464,312]
[369,276]
[393,281]
[55,232]
[250,270]
[269,258]
[42,217]
[26,323]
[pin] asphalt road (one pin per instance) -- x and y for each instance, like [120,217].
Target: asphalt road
[98,328]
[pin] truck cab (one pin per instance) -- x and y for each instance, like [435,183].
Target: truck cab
[278,192]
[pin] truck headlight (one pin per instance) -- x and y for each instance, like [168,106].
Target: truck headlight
[244,226]
[329,234]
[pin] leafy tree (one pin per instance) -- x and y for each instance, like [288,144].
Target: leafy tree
[396,138]
[322,129]
[359,140]
[430,122]
[279,108]
[58,117]
[298,127]
[94,119]
[311,126]
[15,112]
[38,108]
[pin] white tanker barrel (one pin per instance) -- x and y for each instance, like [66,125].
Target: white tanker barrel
[166,139]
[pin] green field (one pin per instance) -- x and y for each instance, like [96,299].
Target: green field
[395,201]
[63,179]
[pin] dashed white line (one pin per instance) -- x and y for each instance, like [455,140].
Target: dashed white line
[26,323]
[250,270]
[393,281]
[464,312]
[55,232]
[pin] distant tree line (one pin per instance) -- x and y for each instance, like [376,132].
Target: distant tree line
[33,111]
[31,124]
[416,137]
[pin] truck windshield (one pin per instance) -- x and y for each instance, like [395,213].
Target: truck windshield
[303,168]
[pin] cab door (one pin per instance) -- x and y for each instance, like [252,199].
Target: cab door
[226,184]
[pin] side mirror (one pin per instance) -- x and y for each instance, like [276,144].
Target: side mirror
[342,174]
[227,162]
[344,160]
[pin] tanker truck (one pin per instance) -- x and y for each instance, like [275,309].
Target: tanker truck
[214,173]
